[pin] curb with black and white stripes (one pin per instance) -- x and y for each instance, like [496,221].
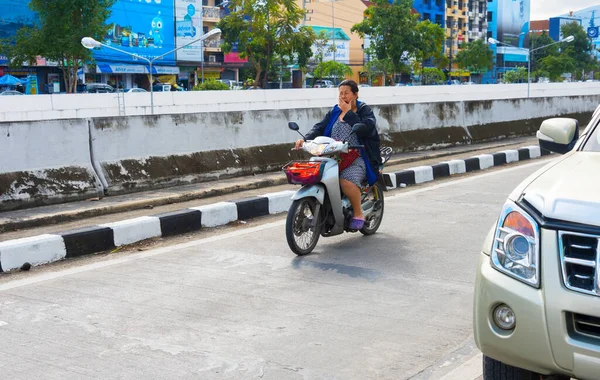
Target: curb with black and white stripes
[422,174]
[47,248]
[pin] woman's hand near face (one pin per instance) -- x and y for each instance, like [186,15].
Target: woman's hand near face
[344,106]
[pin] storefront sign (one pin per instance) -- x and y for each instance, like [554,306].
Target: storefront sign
[234,58]
[115,68]
[32,85]
[188,27]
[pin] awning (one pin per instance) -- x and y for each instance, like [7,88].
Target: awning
[119,68]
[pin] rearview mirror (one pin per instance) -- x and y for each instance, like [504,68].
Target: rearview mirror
[558,135]
[360,129]
[293,126]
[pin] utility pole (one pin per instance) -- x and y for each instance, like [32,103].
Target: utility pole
[333,28]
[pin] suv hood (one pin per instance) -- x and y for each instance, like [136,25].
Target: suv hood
[568,190]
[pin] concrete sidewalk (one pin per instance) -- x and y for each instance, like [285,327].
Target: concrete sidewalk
[205,193]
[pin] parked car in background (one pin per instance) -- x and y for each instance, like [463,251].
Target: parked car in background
[99,88]
[11,92]
[324,83]
[537,290]
[136,90]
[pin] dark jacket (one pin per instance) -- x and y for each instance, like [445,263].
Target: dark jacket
[364,114]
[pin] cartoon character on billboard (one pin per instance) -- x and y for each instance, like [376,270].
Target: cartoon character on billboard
[156,31]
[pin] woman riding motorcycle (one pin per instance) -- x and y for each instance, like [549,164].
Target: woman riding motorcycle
[355,166]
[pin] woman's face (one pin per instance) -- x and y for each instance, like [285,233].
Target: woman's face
[347,95]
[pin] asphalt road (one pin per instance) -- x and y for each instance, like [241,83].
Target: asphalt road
[237,304]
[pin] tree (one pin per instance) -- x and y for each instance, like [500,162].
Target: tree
[211,85]
[430,40]
[333,69]
[555,66]
[476,56]
[380,67]
[322,48]
[515,76]
[538,55]
[392,30]
[263,29]
[579,50]
[57,36]
[432,75]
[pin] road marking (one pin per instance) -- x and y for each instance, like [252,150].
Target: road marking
[469,370]
[137,256]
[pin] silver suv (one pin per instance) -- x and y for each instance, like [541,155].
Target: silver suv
[537,292]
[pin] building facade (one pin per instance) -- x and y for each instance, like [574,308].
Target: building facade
[477,22]
[339,17]
[432,10]
[457,17]
[508,22]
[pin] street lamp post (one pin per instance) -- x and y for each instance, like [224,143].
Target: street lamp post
[90,43]
[494,41]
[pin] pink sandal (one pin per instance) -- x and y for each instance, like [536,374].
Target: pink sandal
[356,224]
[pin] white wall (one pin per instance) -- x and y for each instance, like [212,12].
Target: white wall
[62,106]
[39,145]
[46,159]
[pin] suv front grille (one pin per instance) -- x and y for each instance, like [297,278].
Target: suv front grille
[580,261]
[586,325]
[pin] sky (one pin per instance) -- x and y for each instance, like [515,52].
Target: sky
[544,9]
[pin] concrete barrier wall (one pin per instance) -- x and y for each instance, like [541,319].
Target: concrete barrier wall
[71,159]
[62,106]
[44,162]
[144,151]
[148,152]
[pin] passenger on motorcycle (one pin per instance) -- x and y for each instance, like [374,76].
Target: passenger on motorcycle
[355,166]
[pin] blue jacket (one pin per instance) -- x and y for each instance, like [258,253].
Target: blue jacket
[370,140]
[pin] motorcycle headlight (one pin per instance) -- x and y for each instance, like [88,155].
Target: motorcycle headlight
[318,149]
[516,249]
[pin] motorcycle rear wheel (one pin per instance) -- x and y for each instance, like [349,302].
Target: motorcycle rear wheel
[302,229]
[373,221]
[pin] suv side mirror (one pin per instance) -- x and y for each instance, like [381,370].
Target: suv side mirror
[558,135]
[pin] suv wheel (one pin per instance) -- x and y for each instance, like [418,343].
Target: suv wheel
[495,370]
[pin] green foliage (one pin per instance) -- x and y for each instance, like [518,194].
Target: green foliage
[58,35]
[476,56]
[538,55]
[430,40]
[555,66]
[515,76]
[332,69]
[391,27]
[211,85]
[432,76]
[579,50]
[264,29]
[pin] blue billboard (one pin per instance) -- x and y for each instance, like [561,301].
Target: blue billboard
[15,14]
[142,27]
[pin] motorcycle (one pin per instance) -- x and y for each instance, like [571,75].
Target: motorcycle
[319,207]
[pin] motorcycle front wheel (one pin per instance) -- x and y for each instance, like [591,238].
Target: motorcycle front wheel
[302,227]
[373,220]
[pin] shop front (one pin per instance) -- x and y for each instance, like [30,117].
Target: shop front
[126,76]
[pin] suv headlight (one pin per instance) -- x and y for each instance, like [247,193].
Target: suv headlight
[516,251]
